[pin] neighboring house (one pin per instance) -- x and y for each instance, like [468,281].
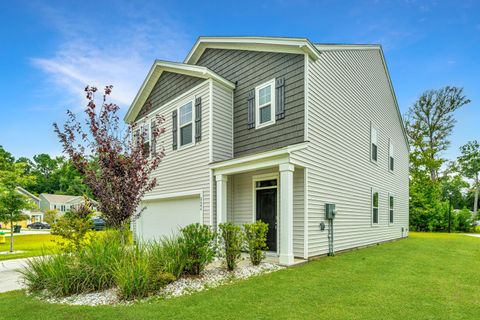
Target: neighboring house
[61,203]
[275,129]
[33,214]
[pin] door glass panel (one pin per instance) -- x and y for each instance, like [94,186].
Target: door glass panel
[266,183]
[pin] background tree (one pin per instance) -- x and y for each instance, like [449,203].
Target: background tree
[12,205]
[121,171]
[429,123]
[469,162]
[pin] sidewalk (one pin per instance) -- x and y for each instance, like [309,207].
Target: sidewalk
[10,278]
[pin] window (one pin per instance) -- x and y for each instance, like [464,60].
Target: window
[375,207]
[265,104]
[146,141]
[374,145]
[185,123]
[390,206]
[391,161]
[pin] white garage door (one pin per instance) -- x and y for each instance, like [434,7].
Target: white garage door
[166,216]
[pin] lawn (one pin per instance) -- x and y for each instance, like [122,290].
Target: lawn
[33,245]
[427,276]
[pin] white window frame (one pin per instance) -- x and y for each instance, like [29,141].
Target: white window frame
[149,136]
[373,140]
[391,154]
[391,195]
[259,125]
[372,207]
[179,131]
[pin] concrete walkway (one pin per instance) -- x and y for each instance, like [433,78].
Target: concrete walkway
[477,235]
[10,278]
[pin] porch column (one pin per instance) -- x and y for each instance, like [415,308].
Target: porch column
[221,198]
[286,213]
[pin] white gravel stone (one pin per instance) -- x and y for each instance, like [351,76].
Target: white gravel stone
[210,278]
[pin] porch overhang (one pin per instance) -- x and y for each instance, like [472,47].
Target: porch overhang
[257,161]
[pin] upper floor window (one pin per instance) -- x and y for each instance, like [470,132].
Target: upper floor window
[185,123]
[390,208]
[265,104]
[374,207]
[146,139]
[391,159]
[373,144]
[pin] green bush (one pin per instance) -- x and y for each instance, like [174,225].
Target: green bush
[198,247]
[86,270]
[464,219]
[132,276]
[232,241]
[256,240]
[167,255]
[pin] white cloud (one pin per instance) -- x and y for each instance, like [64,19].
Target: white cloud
[92,53]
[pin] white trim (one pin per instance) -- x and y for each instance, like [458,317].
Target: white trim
[306,92]
[254,165]
[271,44]
[210,122]
[263,177]
[272,101]
[372,130]
[181,194]
[154,74]
[211,196]
[374,190]
[305,213]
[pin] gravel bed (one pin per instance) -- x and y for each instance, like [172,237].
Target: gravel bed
[186,285]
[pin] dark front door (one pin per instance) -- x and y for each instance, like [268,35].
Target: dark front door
[267,212]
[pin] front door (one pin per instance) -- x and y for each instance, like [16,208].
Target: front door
[267,212]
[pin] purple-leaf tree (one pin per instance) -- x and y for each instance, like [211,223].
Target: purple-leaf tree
[117,163]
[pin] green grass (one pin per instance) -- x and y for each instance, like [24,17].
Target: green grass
[428,276]
[32,244]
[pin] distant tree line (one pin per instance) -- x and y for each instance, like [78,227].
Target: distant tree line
[434,181]
[49,174]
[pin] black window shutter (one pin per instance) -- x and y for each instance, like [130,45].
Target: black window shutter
[251,110]
[198,119]
[280,98]
[153,142]
[174,129]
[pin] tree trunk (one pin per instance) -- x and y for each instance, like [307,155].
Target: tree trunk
[475,203]
[11,236]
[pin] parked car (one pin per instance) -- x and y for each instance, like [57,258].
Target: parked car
[98,224]
[38,225]
[476,223]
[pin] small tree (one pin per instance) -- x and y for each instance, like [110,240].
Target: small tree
[11,205]
[469,163]
[50,217]
[232,241]
[117,171]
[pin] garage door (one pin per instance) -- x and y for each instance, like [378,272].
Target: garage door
[166,216]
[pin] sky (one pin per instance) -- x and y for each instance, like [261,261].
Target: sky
[50,50]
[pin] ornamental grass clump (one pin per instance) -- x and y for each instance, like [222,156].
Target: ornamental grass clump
[256,240]
[232,241]
[167,255]
[197,243]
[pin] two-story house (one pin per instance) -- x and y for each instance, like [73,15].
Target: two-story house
[277,129]
[61,203]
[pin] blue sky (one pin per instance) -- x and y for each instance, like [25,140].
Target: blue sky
[49,50]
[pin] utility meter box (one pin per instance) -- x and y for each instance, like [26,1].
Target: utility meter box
[330,211]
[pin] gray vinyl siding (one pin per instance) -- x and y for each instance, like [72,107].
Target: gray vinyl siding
[347,91]
[248,69]
[240,203]
[168,86]
[222,122]
[185,169]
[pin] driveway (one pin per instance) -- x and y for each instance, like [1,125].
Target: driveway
[9,276]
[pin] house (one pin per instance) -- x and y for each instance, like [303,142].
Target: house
[33,214]
[278,129]
[61,203]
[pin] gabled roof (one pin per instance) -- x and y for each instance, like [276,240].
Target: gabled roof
[270,44]
[27,193]
[154,74]
[59,198]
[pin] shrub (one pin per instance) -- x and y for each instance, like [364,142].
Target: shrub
[73,226]
[137,277]
[198,247]
[167,255]
[232,241]
[256,239]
